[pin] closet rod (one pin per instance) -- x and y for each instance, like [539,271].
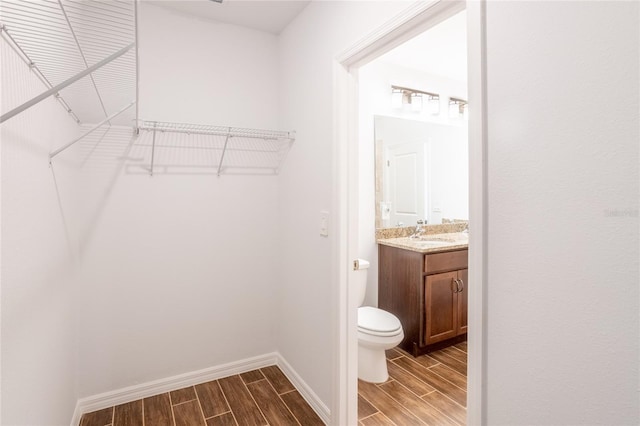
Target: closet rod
[201,129]
[64,84]
[33,66]
[94,128]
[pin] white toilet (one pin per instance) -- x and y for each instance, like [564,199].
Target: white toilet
[378,331]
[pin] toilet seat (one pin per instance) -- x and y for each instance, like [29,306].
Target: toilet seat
[376,322]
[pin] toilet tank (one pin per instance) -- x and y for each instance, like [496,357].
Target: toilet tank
[361,267]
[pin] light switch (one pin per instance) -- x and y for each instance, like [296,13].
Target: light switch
[324,223]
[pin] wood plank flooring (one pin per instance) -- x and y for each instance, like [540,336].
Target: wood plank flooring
[428,390]
[260,397]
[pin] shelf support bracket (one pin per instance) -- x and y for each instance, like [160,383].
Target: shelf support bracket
[64,84]
[224,149]
[137,122]
[153,148]
[93,129]
[84,59]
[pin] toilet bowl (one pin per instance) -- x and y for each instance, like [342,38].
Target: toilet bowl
[378,330]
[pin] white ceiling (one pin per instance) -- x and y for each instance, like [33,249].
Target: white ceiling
[264,15]
[442,50]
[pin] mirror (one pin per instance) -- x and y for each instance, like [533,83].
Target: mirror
[422,172]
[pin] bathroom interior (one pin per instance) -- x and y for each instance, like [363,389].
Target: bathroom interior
[172,227]
[414,229]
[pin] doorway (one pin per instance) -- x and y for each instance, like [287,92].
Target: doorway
[419,19]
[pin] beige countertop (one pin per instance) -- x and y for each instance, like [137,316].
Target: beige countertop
[431,243]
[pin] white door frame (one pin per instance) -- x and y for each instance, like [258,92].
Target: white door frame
[414,20]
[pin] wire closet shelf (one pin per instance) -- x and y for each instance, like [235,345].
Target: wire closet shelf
[181,148]
[84,52]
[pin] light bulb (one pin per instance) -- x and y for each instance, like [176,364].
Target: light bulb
[416,102]
[396,99]
[433,105]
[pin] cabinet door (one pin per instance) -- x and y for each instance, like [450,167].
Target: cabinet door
[441,307]
[463,297]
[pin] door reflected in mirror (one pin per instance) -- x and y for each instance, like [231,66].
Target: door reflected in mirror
[422,172]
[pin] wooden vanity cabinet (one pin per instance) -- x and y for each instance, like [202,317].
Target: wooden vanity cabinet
[445,306]
[428,293]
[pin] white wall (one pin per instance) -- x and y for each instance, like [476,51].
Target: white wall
[201,71]
[39,339]
[563,225]
[563,213]
[374,81]
[178,271]
[306,311]
[563,162]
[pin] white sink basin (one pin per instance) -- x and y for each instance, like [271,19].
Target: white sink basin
[426,242]
[431,243]
[458,237]
[437,240]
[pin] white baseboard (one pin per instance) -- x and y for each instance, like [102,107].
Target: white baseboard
[77,415]
[305,390]
[155,387]
[144,390]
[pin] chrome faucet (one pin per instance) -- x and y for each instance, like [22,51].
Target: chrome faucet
[417,233]
[466,228]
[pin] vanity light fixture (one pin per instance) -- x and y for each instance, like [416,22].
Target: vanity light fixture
[396,98]
[416,102]
[457,108]
[433,104]
[401,96]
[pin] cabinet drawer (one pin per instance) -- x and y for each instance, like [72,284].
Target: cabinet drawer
[449,261]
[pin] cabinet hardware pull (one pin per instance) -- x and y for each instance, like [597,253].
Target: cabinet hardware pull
[461,284]
[457,290]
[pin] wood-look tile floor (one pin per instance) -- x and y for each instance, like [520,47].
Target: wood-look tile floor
[428,390]
[259,397]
